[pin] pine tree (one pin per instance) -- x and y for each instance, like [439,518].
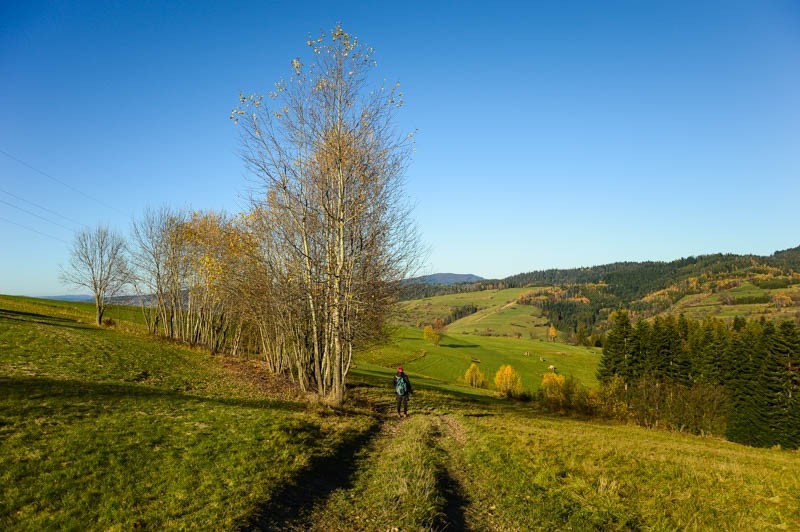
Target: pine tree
[615,348]
[740,380]
[638,348]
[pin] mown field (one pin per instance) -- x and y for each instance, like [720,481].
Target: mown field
[108,429]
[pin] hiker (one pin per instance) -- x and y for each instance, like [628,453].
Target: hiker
[402,388]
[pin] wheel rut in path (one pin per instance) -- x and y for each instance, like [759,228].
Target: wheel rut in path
[449,483]
[289,507]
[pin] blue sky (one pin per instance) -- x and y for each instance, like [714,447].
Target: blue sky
[550,134]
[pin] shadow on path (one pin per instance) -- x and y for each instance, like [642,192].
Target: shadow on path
[289,507]
[455,502]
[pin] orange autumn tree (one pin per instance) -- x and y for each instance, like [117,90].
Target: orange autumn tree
[215,249]
[553,389]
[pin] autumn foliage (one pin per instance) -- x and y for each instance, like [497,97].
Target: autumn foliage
[553,389]
[475,377]
[431,335]
[508,382]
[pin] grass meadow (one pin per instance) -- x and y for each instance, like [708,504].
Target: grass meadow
[100,429]
[106,428]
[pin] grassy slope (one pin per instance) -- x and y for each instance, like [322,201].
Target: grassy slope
[100,430]
[487,337]
[708,304]
[450,359]
[103,430]
[430,308]
[491,465]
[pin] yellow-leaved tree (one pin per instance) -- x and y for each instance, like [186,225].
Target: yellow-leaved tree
[553,389]
[475,377]
[508,382]
[552,333]
[431,335]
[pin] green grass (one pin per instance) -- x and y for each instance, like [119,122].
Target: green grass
[529,471]
[708,304]
[108,429]
[509,319]
[417,311]
[501,465]
[103,430]
[449,360]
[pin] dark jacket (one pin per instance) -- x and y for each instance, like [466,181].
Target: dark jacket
[405,378]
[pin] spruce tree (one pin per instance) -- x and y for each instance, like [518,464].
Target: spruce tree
[615,348]
[740,379]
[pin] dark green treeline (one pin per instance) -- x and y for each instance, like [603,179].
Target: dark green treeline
[754,365]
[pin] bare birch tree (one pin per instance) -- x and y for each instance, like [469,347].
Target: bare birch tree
[98,263]
[336,229]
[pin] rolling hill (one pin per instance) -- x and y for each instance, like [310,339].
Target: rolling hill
[721,285]
[110,428]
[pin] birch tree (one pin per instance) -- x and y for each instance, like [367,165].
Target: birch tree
[329,167]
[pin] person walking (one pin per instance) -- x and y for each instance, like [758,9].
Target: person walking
[402,389]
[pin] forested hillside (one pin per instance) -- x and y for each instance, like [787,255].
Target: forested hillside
[579,301]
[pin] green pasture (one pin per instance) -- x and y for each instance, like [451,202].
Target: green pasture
[449,360]
[100,429]
[510,319]
[106,428]
[698,306]
[426,310]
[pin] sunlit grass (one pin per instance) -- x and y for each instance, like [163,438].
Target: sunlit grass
[105,430]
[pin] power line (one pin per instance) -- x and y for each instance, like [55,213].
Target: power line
[33,230]
[34,214]
[85,195]
[41,207]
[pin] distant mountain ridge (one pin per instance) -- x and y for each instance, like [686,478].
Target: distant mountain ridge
[79,298]
[445,278]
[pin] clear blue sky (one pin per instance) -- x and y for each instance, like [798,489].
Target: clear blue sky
[551,134]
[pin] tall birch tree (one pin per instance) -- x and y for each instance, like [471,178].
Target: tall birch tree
[329,166]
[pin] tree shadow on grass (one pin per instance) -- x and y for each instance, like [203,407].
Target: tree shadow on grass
[39,396]
[452,517]
[289,508]
[463,346]
[42,319]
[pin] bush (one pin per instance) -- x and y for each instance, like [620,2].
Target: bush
[560,393]
[701,408]
[475,377]
[108,322]
[508,382]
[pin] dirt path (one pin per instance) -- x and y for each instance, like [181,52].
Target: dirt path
[358,488]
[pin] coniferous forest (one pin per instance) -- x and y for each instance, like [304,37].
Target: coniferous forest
[740,380]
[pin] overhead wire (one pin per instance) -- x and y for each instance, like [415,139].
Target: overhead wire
[42,172]
[41,207]
[36,215]
[33,230]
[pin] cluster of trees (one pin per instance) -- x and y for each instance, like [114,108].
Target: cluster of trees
[706,375]
[460,312]
[507,381]
[310,271]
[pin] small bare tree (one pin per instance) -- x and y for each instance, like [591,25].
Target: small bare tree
[98,262]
